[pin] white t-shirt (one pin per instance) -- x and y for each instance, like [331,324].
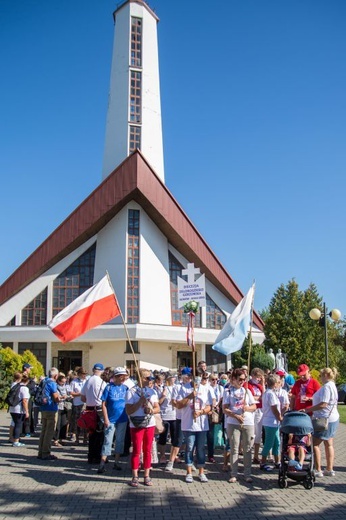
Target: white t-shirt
[270,399]
[203,398]
[283,398]
[133,396]
[175,392]
[23,394]
[168,413]
[93,390]
[236,399]
[327,394]
[76,386]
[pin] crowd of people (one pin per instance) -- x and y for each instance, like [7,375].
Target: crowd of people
[165,418]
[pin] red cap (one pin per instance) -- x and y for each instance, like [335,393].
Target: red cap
[302,369]
[280,373]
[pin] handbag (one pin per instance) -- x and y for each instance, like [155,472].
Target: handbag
[215,417]
[141,421]
[320,424]
[159,427]
[88,420]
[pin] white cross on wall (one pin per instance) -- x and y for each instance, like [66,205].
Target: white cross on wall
[190,272]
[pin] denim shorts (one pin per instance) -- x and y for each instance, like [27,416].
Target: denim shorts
[329,433]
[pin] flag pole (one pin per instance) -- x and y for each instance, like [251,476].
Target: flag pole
[126,332]
[250,332]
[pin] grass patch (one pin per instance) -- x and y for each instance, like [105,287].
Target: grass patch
[342,412]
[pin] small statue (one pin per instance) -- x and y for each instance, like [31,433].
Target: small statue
[280,363]
[272,356]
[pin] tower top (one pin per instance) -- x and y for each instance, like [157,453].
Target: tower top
[134,108]
[140,2]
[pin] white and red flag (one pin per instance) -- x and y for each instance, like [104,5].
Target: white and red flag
[190,333]
[95,306]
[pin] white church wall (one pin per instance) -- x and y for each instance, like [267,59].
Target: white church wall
[155,298]
[111,256]
[14,305]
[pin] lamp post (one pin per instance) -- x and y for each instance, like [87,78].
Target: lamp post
[321,317]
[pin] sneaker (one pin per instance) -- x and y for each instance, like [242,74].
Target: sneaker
[319,473]
[28,435]
[211,459]
[101,470]
[202,477]
[249,480]
[169,466]
[18,444]
[189,478]
[328,473]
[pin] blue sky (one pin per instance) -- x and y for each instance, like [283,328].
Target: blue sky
[254,110]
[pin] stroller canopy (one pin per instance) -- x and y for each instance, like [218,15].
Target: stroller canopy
[298,423]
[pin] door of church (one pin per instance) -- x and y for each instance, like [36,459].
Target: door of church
[69,360]
[184,359]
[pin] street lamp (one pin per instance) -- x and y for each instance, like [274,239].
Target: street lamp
[317,315]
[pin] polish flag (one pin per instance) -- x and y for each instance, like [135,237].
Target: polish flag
[95,306]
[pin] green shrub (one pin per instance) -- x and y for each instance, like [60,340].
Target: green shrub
[11,362]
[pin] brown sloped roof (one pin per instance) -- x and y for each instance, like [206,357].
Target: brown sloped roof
[132,180]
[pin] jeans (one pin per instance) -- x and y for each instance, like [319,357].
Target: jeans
[246,433]
[120,430]
[193,439]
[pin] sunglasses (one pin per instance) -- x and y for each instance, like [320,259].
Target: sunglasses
[213,380]
[241,379]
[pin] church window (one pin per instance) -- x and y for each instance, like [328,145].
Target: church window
[135,97]
[179,317]
[76,279]
[215,317]
[135,347]
[133,266]
[35,313]
[136,42]
[135,138]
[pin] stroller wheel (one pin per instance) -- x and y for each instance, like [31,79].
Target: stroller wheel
[308,483]
[282,483]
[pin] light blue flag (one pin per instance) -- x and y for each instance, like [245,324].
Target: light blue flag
[234,332]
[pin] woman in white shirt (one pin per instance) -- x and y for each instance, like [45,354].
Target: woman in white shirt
[195,403]
[141,405]
[168,414]
[20,412]
[325,404]
[272,417]
[239,406]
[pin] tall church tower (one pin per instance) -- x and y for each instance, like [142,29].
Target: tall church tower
[134,108]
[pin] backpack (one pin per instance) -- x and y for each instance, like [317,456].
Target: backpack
[39,398]
[12,398]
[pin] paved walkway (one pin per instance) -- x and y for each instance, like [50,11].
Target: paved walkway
[70,488]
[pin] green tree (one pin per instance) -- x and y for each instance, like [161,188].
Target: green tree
[289,327]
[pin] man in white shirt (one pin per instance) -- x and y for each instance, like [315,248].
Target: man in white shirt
[91,395]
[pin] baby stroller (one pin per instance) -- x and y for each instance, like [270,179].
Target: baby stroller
[296,424]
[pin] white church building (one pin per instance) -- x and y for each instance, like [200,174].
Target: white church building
[131,226]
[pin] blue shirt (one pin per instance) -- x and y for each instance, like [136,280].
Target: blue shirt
[50,388]
[114,395]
